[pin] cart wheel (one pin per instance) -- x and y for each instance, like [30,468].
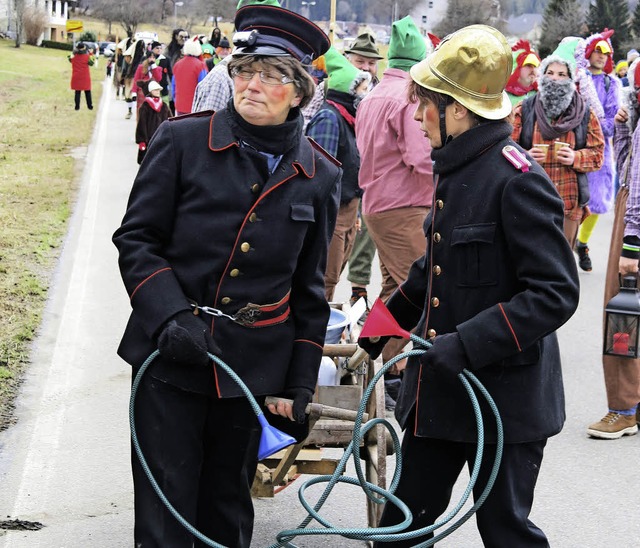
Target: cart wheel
[375,449]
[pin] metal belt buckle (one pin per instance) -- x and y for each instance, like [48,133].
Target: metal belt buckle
[247,315]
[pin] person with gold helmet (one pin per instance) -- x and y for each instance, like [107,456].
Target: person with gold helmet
[497,280]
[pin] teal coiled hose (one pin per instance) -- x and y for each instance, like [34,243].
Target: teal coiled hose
[373,492]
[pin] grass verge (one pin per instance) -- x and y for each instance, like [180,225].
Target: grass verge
[38,130]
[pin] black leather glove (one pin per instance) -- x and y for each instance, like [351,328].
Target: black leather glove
[374,349]
[186,339]
[301,398]
[447,354]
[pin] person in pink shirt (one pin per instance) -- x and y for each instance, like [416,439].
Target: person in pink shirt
[395,167]
[187,73]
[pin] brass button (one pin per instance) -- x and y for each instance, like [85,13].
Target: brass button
[431,333]
[439,204]
[253,218]
[234,273]
[437,270]
[225,300]
[435,302]
[255,188]
[244,247]
[437,237]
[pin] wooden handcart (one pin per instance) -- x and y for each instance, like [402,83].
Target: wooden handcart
[331,419]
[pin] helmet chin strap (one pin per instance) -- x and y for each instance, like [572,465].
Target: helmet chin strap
[444,139]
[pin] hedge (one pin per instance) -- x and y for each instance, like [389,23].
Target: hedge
[56,45]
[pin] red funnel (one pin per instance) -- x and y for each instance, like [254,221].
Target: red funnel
[381,323]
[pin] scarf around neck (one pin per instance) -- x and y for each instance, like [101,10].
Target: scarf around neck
[469,145]
[276,140]
[154,102]
[344,103]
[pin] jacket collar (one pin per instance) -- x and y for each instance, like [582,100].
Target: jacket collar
[221,138]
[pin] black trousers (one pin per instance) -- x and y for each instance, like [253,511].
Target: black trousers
[87,96]
[430,470]
[203,453]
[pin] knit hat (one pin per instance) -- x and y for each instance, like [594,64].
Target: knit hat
[343,76]
[153,85]
[193,48]
[406,46]
[621,65]
[155,44]
[365,45]
[224,42]
[601,40]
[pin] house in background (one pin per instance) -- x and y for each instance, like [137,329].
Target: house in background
[57,14]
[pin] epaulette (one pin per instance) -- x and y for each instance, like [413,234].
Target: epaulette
[322,151]
[516,158]
[199,114]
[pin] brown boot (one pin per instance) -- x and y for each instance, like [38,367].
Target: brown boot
[613,426]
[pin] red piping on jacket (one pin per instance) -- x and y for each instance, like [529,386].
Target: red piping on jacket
[146,280]
[510,327]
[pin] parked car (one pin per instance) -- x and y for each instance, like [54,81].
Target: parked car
[107,48]
[93,47]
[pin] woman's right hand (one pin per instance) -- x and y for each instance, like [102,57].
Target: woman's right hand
[622,115]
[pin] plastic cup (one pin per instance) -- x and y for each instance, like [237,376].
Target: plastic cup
[557,145]
[544,148]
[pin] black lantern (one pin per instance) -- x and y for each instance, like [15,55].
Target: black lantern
[623,321]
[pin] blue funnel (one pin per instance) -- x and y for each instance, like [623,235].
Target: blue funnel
[272,439]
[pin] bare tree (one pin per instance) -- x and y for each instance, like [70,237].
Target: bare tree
[20,7]
[34,21]
[461,13]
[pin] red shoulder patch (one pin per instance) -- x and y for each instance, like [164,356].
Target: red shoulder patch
[322,151]
[199,114]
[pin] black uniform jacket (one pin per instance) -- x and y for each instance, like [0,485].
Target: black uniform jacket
[499,271]
[206,223]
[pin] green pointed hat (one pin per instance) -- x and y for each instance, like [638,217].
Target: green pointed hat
[564,53]
[342,74]
[406,46]
[242,3]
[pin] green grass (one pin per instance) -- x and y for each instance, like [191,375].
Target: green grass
[38,130]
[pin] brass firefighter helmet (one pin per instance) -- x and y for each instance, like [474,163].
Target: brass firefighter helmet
[472,65]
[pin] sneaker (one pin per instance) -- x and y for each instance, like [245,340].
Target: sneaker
[584,261]
[128,115]
[613,426]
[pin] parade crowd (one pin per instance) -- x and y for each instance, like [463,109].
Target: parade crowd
[475,178]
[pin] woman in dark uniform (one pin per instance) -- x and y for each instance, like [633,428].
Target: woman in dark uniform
[231,211]
[497,279]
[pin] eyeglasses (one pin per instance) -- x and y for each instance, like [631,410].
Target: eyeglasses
[266,77]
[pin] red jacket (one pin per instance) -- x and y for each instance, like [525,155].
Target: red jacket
[186,74]
[80,75]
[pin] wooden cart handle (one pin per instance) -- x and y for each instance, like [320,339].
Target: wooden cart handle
[323,410]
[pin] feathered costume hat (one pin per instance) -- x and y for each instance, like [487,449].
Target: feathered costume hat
[522,55]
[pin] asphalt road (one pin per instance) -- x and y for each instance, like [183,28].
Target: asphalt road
[66,461]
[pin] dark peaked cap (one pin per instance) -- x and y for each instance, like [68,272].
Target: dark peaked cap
[279,32]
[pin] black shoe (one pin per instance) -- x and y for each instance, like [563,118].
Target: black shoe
[358,293]
[584,261]
[77,107]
